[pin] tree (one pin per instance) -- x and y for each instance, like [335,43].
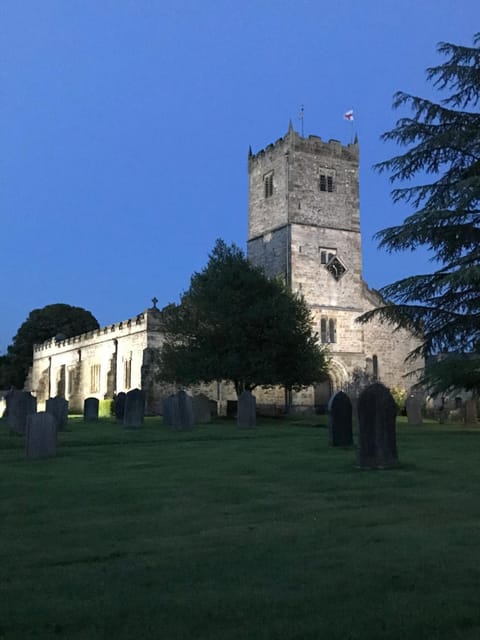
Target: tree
[442,307]
[235,324]
[42,324]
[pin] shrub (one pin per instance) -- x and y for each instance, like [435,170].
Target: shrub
[105,408]
[399,395]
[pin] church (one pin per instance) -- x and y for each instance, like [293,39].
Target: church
[304,226]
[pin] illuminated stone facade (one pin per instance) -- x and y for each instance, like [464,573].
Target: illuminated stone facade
[304,226]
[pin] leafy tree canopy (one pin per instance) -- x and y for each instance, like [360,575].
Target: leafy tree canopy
[235,324]
[443,140]
[42,324]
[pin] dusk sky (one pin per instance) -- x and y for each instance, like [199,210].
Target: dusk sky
[125,128]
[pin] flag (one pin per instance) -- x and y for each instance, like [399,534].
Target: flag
[349,115]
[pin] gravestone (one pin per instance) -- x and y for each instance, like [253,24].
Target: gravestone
[201,409]
[247,410]
[214,408]
[182,412]
[232,408]
[20,404]
[340,420]
[134,409]
[471,415]
[41,436]
[58,408]
[90,409]
[377,413]
[413,407]
[169,407]
[119,406]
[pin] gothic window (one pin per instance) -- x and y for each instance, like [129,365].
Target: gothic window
[127,374]
[328,330]
[95,378]
[71,380]
[268,184]
[327,182]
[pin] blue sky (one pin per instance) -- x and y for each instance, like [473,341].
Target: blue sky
[125,127]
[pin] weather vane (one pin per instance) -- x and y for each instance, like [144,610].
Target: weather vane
[300,117]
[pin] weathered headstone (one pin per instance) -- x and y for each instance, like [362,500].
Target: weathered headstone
[213,408]
[41,436]
[377,413]
[471,415]
[134,409]
[413,407]
[58,408]
[340,420]
[20,404]
[182,412]
[119,406]
[201,409]
[90,409]
[169,405]
[247,410]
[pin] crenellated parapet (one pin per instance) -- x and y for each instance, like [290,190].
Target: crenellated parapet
[293,141]
[109,332]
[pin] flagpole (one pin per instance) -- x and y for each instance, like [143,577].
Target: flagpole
[348,115]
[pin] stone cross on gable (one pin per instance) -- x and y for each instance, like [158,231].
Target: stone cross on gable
[154,300]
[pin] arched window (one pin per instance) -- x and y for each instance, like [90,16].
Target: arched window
[328,330]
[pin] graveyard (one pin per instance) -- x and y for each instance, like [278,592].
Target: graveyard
[218,531]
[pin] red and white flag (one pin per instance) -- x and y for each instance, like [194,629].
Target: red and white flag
[349,115]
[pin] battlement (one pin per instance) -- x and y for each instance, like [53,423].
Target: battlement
[110,331]
[293,141]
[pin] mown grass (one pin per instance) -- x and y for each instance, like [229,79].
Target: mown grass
[227,534]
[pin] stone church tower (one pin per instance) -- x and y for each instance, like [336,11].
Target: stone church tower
[304,226]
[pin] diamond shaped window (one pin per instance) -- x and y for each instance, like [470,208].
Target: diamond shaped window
[336,268]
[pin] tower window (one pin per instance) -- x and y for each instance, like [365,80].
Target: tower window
[328,330]
[375,367]
[335,267]
[326,255]
[268,184]
[327,182]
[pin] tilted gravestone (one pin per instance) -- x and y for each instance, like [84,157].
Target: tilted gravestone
[377,414]
[134,409]
[119,406]
[41,436]
[90,409]
[58,408]
[413,407]
[247,410]
[201,409]
[340,420]
[20,404]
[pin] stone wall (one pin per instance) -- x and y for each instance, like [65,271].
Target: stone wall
[97,364]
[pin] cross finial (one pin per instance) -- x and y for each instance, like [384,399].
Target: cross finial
[154,300]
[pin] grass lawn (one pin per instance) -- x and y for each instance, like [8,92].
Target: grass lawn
[224,534]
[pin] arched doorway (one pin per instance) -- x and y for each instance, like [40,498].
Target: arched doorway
[322,393]
[337,380]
